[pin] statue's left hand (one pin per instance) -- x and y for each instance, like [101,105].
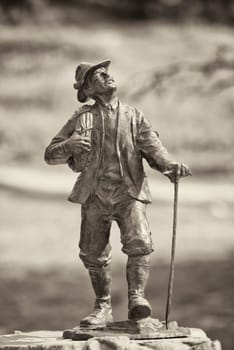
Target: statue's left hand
[176,170]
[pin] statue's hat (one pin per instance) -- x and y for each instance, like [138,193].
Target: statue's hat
[82,72]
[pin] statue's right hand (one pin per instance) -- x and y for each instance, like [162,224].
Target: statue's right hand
[77,143]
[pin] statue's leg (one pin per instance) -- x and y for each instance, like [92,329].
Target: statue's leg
[95,254]
[137,244]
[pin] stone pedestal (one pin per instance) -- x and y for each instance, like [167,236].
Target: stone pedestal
[143,329]
[53,340]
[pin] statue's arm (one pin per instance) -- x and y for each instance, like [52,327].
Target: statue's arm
[150,145]
[57,151]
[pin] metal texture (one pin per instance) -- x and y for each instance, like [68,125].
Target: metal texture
[173,248]
[106,142]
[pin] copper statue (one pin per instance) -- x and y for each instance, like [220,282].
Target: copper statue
[106,143]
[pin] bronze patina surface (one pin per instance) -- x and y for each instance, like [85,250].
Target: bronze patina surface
[106,143]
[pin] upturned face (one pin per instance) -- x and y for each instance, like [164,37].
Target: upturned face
[101,81]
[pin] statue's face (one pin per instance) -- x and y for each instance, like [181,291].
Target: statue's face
[101,81]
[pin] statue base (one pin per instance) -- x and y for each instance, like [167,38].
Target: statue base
[53,340]
[147,328]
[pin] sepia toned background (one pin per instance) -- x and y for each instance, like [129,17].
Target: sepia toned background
[174,60]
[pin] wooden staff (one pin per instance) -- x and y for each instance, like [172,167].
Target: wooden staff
[173,247]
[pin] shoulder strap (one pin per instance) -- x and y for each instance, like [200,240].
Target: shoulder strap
[84,122]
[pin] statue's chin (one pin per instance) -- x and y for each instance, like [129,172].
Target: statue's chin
[109,89]
[112,88]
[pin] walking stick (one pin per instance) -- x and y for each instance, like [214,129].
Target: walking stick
[172,266]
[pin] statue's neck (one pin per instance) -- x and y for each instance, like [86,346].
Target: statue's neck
[110,98]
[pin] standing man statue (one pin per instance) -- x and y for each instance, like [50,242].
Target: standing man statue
[106,142]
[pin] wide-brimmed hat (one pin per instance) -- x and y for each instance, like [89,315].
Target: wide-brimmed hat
[82,72]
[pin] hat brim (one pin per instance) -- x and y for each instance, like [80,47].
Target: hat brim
[80,94]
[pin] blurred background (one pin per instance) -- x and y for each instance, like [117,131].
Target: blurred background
[173,59]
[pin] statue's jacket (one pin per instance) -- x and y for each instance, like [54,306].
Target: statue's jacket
[135,140]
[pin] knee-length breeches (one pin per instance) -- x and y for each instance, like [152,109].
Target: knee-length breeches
[97,217]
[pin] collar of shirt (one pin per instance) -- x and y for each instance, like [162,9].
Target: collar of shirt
[110,107]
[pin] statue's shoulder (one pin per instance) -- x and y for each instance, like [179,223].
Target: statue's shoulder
[87,108]
[79,112]
[127,109]
[135,114]
[132,110]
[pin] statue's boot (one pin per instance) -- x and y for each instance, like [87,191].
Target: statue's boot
[137,276]
[102,314]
